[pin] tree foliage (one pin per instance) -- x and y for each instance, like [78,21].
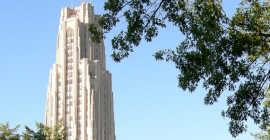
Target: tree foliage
[42,133]
[7,133]
[30,134]
[261,136]
[55,133]
[264,134]
[223,53]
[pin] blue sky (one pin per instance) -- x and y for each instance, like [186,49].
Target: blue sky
[148,104]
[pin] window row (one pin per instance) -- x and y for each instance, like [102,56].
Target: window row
[92,74]
[69,60]
[69,97]
[69,82]
[69,103]
[69,48]
[70,32]
[69,64]
[70,37]
[69,40]
[69,67]
[68,89]
[69,53]
[69,75]
[69,44]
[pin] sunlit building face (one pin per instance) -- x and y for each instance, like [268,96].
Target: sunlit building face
[80,87]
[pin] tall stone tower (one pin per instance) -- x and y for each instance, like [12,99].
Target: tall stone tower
[80,87]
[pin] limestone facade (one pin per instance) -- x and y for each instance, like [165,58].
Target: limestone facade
[80,87]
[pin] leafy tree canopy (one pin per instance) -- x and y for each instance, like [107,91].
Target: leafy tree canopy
[261,136]
[7,133]
[223,53]
[264,134]
[55,133]
[42,133]
[30,134]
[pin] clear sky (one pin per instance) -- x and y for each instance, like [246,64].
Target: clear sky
[148,104]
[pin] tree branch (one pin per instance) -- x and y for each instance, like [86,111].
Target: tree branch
[154,13]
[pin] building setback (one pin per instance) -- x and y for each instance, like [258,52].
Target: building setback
[80,87]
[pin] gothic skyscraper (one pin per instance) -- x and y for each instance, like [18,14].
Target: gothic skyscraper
[80,87]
